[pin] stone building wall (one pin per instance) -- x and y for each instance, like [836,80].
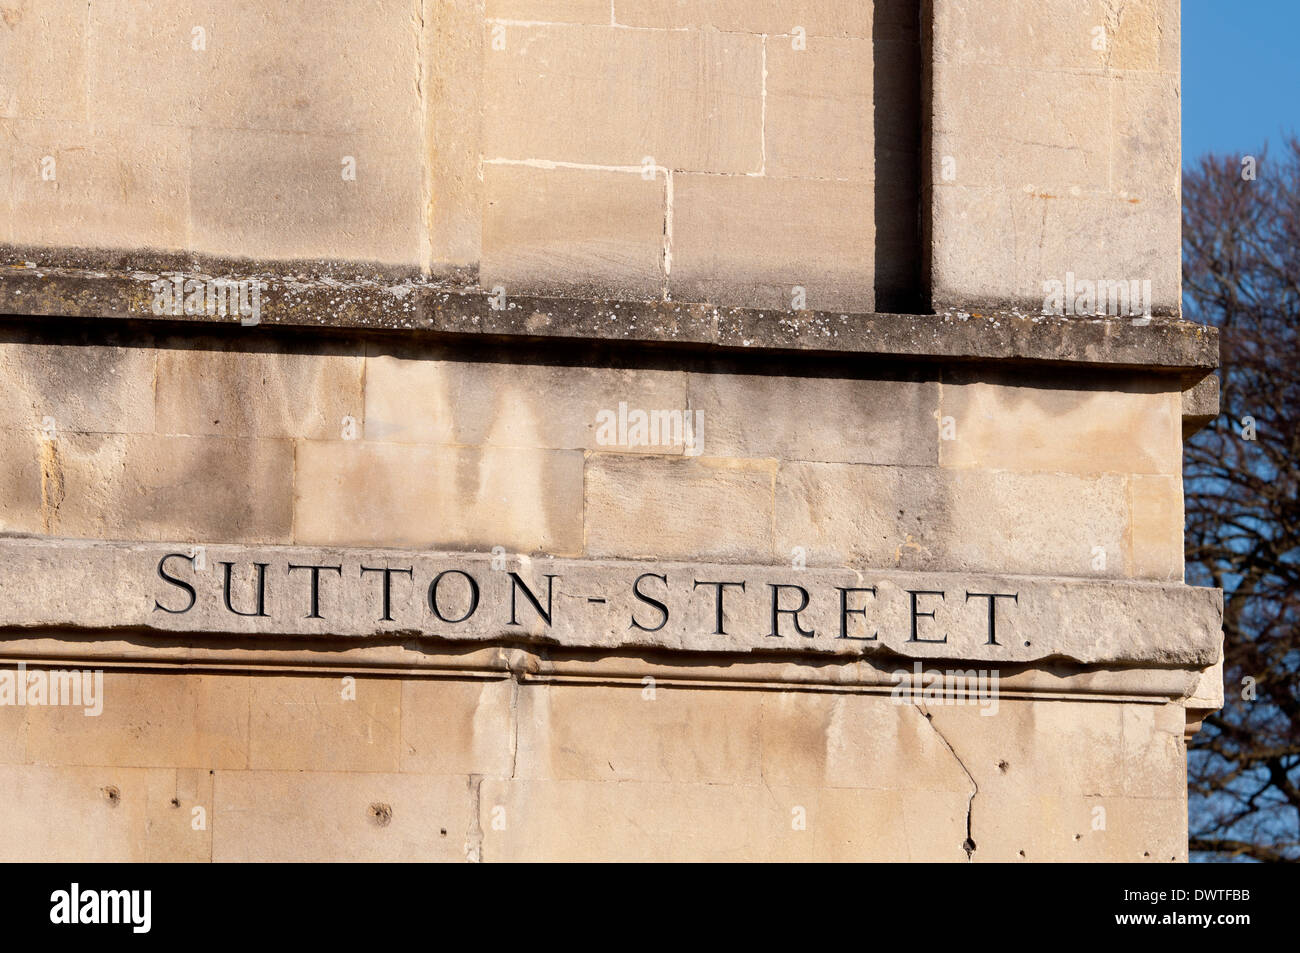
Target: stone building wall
[566,212]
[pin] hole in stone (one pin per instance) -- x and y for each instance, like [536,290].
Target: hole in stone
[176,802]
[1002,766]
[112,795]
[381,814]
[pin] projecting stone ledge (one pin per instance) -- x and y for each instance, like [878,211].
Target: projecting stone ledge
[353,594]
[64,284]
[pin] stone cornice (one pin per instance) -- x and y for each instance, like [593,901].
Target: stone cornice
[318,295]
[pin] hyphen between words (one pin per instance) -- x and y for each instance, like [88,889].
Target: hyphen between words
[456,596]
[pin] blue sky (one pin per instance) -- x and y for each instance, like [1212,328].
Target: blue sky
[1241,75]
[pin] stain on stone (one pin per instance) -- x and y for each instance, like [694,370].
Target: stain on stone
[52,489]
[381,814]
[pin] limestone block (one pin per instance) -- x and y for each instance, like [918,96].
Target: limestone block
[235,392]
[149,719]
[170,487]
[639,820]
[1157,534]
[560,230]
[453,75]
[827,419]
[1010,129]
[639,732]
[1133,34]
[1146,157]
[100,184]
[316,816]
[701,508]
[817,17]
[747,240]
[458,726]
[901,826]
[359,493]
[1126,240]
[819,119]
[31,482]
[605,96]
[13,726]
[272,194]
[1200,404]
[6,181]
[1033,34]
[1153,753]
[922,518]
[551,11]
[412,398]
[1026,747]
[126,40]
[1001,424]
[85,814]
[178,823]
[43,61]
[877,742]
[79,388]
[324,724]
[1059,828]
[1168,22]
[349,65]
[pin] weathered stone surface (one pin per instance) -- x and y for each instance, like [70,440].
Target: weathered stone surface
[74,388]
[755,240]
[626,733]
[550,11]
[1200,404]
[150,720]
[457,726]
[1157,533]
[79,814]
[811,418]
[453,75]
[332,816]
[246,195]
[698,508]
[168,487]
[109,185]
[1014,425]
[925,518]
[779,17]
[33,284]
[819,120]
[560,230]
[31,487]
[686,99]
[324,724]
[1081,620]
[37,46]
[547,406]
[360,493]
[259,394]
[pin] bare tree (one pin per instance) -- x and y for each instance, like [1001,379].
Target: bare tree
[1241,272]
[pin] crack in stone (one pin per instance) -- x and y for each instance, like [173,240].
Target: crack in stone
[969,844]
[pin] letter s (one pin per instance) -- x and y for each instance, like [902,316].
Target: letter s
[178,583]
[663,609]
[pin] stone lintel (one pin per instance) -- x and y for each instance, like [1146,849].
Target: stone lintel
[611,606]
